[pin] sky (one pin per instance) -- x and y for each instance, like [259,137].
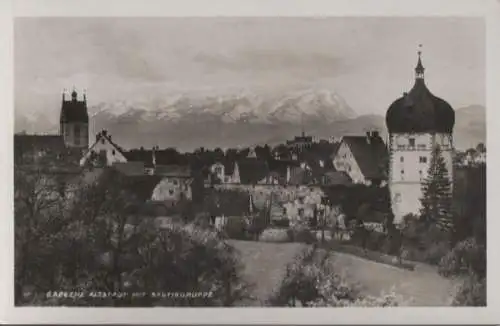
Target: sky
[368,61]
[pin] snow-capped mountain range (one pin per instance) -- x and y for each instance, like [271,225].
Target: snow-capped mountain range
[244,119]
[293,108]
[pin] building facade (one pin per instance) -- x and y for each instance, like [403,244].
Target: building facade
[362,158]
[417,123]
[74,121]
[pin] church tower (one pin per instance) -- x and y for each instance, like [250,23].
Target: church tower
[74,121]
[417,122]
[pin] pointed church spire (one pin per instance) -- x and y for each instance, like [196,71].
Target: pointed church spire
[419,69]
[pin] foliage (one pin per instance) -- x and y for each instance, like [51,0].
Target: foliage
[467,257]
[312,281]
[301,234]
[257,224]
[274,235]
[472,292]
[88,243]
[235,228]
[282,222]
[468,261]
[437,196]
[423,242]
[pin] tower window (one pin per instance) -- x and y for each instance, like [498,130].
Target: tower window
[113,152]
[102,140]
[423,159]
[401,159]
[412,142]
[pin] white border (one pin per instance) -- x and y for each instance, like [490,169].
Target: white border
[489,9]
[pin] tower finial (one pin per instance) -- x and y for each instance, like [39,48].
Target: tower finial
[419,69]
[74,94]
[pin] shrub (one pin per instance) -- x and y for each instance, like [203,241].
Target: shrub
[282,222]
[312,281]
[472,292]
[467,258]
[301,234]
[274,235]
[235,228]
[376,241]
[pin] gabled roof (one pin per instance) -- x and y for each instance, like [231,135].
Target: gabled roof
[370,154]
[39,142]
[337,178]
[51,145]
[171,170]
[130,168]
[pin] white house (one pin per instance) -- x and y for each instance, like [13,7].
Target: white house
[104,148]
[362,158]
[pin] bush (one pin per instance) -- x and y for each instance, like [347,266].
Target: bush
[376,241]
[274,235]
[312,281]
[467,258]
[282,222]
[472,292]
[301,234]
[235,228]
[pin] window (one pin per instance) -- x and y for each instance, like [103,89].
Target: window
[423,159]
[397,198]
[175,182]
[102,140]
[412,142]
[113,152]
[401,159]
[421,146]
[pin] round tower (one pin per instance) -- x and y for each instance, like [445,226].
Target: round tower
[417,122]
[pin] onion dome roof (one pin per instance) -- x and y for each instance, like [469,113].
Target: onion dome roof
[419,110]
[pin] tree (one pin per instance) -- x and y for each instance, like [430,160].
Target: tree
[437,195]
[481,148]
[93,241]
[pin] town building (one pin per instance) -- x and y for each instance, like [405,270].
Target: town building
[64,148]
[363,158]
[417,122]
[74,121]
[300,143]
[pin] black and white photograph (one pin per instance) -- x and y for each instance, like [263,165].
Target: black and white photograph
[234,161]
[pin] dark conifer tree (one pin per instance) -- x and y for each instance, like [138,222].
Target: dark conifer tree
[437,194]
